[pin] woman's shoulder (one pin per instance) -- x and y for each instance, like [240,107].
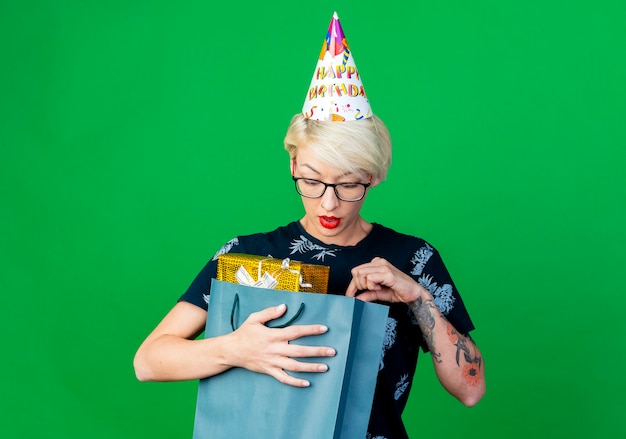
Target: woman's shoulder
[384,233]
[278,233]
[262,242]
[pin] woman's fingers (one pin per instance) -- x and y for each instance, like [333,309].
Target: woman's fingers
[298,331]
[295,350]
[285,378]
[291,365]
[379,280]
[276,351]
[371,277]
[268,314]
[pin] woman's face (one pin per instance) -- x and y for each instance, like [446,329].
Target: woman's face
[328,218]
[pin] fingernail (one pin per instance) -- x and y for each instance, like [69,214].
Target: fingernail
[323,328]
[280,307]
[305,384]
[330,352]
[323,368]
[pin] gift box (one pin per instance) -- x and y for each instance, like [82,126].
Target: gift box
[268,272]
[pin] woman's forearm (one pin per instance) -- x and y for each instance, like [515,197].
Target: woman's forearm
[458,362]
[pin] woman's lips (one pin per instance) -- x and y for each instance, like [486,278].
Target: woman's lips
[329,222]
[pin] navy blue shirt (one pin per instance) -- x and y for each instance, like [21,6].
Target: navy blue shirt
[412,255]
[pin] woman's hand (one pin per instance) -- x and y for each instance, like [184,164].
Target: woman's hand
[256,347]
[379,280]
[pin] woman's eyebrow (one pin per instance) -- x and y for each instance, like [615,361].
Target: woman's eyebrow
[345,174]
[306,165]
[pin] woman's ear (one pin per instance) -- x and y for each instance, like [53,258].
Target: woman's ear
[374,181]
[292,165]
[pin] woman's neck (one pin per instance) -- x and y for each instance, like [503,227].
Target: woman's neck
[347,238]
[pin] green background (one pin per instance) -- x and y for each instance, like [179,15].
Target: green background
[138,136]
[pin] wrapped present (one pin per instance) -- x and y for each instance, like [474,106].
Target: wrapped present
[272,273]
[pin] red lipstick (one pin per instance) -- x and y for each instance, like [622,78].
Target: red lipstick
[329,222]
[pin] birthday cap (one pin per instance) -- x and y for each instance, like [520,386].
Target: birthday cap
[336,91]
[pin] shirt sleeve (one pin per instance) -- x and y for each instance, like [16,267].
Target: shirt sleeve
[200,289]
[436,279]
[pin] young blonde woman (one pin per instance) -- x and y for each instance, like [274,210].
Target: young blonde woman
[333,166]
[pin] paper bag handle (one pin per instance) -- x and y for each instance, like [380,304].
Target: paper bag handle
[234,324]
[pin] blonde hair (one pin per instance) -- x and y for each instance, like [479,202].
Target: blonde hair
[361,147]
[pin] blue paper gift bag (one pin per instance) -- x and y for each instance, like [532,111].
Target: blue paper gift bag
[240,404]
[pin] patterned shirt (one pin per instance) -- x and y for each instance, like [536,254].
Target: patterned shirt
[403,338]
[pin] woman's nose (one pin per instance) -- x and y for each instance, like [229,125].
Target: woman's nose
[329,198]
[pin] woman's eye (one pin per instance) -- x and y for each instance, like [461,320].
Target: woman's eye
[311,183]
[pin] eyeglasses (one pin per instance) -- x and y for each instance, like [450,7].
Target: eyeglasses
[309,188]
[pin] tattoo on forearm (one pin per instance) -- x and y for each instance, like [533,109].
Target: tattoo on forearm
[426,320]
[467,357]
[470,362]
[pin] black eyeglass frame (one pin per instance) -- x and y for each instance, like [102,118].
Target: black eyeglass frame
[333,185]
